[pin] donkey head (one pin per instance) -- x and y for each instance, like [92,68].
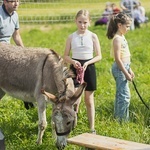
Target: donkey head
[63,115]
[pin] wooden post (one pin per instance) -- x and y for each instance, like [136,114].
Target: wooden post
[132,15]
[2,141]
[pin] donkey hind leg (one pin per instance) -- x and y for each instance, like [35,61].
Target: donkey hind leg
[28,105]
[42,120]
[2,93]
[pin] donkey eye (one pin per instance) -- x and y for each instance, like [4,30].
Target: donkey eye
[68,123]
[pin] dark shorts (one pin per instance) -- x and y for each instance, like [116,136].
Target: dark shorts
[89,76]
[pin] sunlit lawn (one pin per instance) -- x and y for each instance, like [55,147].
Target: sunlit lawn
[20,126]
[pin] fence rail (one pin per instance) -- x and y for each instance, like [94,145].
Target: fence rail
[49,19]
[54,11]
[62,1]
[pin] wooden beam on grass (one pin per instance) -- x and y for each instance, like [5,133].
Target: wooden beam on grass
[98,142]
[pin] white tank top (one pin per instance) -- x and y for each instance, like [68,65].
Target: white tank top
[82,46]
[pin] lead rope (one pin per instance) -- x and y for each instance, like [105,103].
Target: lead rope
[140,95]
[80,75]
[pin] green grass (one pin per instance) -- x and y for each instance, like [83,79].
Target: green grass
[63,11]
[66,8]
[20,125]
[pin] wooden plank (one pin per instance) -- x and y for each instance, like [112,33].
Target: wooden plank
[106,143]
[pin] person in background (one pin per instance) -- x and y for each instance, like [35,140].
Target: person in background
[103,20]
[9,22]
[115,9]
[143,12]
[139,15]
[118,26]
[85,48]
[128,5]
[9,27]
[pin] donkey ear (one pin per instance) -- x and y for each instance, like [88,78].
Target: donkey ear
[50,96]
[77,94]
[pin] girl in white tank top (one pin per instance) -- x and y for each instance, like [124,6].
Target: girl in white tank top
[85,48]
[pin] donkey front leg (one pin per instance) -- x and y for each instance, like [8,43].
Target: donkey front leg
[42,121]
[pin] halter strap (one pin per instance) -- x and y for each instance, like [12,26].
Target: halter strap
[63,133]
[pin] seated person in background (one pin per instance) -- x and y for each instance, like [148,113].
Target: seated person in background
[142,10]
[105,15]
[115,9]
[139,16]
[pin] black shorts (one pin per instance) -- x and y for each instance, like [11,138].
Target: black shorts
[89,76]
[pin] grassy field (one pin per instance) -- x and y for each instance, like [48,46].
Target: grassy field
[20,125]
[65,7]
